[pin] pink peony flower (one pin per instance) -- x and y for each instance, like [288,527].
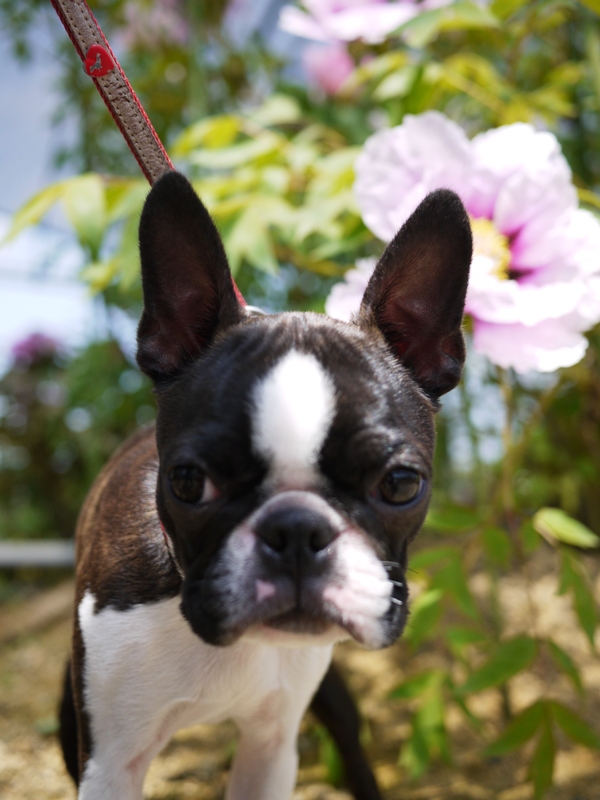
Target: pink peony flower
[327,66]
[535,276]
[347,20]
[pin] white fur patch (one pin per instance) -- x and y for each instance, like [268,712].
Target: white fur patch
[362,592]
[294,407]
[146,674]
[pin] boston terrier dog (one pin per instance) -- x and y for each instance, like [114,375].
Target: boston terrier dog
[221,555]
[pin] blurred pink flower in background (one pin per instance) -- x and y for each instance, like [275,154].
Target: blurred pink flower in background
[327,65]
[535,277]
[35,347]
[162,21]
[347,20]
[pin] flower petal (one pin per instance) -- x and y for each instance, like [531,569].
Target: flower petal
[296,22]
[398,167]
[328,66]
[371,23]
[503,301]
[545,347]
[512,150]
[345,297]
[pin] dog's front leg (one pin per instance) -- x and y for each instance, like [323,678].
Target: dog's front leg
[266,761]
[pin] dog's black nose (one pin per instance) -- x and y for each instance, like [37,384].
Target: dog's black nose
[293,535]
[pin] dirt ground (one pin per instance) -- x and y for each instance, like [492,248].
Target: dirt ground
[195,763]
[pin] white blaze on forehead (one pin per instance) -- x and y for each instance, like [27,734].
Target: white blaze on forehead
[294,408]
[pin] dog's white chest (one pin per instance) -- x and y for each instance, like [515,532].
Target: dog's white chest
[145,668]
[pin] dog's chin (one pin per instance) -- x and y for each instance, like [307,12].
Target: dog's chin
[279,619]
[297,621]
[296,629]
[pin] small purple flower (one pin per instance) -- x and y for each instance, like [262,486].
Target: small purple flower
[535,276]
[33,348]
[348,20]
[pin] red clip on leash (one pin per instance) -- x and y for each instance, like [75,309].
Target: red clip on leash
[100,63]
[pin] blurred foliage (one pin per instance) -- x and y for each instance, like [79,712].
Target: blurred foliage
[174,53]
[61,418]
[273,162]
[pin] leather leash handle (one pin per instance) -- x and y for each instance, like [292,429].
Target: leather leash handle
[100,63]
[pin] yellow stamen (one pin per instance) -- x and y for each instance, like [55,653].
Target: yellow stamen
[489,242]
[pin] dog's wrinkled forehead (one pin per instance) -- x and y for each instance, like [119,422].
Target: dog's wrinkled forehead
[285,386]
[293,407]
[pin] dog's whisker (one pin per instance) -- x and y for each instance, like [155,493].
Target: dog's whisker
[396,583]
[395,600]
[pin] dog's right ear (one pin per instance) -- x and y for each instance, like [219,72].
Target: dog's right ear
[187,286]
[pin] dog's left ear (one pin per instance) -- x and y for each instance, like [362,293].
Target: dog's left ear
[416,294]
[187,285]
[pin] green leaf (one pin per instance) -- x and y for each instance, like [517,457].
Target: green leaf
[246,152]
[431,555]
[125,200]
[397,84]
[431,722]
[497,546]
[417,685]
[214,132]
[592,46]
[573,578]
[518,731]
[100,274]
[321,216]
[250,239]
[575,728]
[585,608]
[85,206]
[593,5]
[426,611]
[128,256]
[555,525]
[279,109]
[373,70]
[452,519]
[414,756]
[461,637]
[503,9]
[424,28]
[329,756]
[541,767]
[510,658]
[565,663]
[568,575]
[452,579]
[585,195]
[529,537]
[35,208]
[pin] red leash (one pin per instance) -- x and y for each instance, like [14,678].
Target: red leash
[100,63]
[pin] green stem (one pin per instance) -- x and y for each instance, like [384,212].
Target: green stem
[507,388]
[465,399]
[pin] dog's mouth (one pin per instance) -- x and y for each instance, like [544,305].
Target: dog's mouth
[299,621]
[368,607]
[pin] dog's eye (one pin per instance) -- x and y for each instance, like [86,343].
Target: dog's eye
[190,485]
[400,486]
